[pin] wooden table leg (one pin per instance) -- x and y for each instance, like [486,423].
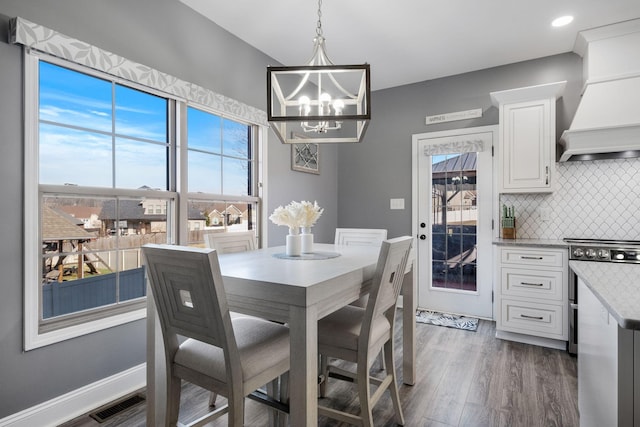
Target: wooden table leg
[303,376]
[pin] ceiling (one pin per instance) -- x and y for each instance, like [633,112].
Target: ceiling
[408,41]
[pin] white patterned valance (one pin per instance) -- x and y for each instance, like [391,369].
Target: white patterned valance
[454,146]
[37,37]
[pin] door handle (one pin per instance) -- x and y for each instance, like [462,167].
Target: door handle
[422,237]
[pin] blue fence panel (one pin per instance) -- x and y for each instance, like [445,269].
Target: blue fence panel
[60,298]
[132,284]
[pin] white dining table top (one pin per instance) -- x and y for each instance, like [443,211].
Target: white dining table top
[303,281]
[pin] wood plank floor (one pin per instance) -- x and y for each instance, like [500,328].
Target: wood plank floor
[464,379]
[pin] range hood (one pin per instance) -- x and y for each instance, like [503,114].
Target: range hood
[607,121]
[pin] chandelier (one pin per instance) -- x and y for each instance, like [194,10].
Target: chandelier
[319,102]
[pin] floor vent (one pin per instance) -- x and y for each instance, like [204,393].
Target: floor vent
[104,413]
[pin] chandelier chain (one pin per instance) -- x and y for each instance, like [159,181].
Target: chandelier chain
[319,25]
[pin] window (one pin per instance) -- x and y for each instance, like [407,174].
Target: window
[102,179]
[221,169]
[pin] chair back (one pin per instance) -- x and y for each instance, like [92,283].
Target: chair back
[187,288]
[360,236]
[230,242]
[388,277]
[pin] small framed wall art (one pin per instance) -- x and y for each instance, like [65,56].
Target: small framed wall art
[305,157]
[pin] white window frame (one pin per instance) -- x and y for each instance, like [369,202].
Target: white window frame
[34,335]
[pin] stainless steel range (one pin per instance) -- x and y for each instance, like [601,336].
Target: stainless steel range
[600,250]
[604,250]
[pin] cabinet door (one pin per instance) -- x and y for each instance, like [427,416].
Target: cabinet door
[527,142]
[597,362]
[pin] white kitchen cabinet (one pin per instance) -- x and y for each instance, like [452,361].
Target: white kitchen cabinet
[606,371]
[527,129]
[532,295]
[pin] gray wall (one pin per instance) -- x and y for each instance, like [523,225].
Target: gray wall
[379,168]
[170,37]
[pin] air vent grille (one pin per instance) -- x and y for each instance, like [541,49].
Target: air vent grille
[106,412]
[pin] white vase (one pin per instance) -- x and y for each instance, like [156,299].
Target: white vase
[294,245]
[307,240]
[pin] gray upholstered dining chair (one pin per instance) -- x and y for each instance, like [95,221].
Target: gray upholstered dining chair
[361,237]
[229,356]
[358,334]
[232,241]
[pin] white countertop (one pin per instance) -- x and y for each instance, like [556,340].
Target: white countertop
[616,285]
[548,243]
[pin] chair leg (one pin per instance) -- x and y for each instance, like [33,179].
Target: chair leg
[364,395]
[236,411]
[273,390]
[173,399]
[212,399]
[393,387]
[383,364]
[283,420]
[324,370]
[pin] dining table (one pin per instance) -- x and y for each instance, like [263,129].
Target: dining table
[297,291]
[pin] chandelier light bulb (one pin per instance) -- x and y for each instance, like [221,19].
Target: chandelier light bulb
[323,105]
[305,105]
[338,106]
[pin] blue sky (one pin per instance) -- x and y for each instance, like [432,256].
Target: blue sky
[77,146]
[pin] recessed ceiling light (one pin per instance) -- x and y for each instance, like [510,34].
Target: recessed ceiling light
[562,21]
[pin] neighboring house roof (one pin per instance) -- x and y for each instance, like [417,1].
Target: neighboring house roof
[61,226]
[133,210]
[80,211]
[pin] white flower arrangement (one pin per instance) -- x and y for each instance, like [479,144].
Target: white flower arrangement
[297,214]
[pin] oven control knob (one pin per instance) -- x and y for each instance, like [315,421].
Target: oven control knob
[578,252]
[591,253]
[603,254]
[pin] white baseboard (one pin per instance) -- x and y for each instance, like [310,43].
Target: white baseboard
[80,401]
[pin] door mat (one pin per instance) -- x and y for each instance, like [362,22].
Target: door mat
[448,320]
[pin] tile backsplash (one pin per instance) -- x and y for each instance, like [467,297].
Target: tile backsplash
[593,199]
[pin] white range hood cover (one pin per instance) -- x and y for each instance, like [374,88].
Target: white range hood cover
[607,121]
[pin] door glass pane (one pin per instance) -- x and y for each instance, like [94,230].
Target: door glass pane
[454,221]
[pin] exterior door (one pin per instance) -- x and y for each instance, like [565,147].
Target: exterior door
[453,191]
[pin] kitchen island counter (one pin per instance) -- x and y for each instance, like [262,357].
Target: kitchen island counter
[617,287]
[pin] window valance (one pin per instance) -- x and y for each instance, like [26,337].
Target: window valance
[43,39]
